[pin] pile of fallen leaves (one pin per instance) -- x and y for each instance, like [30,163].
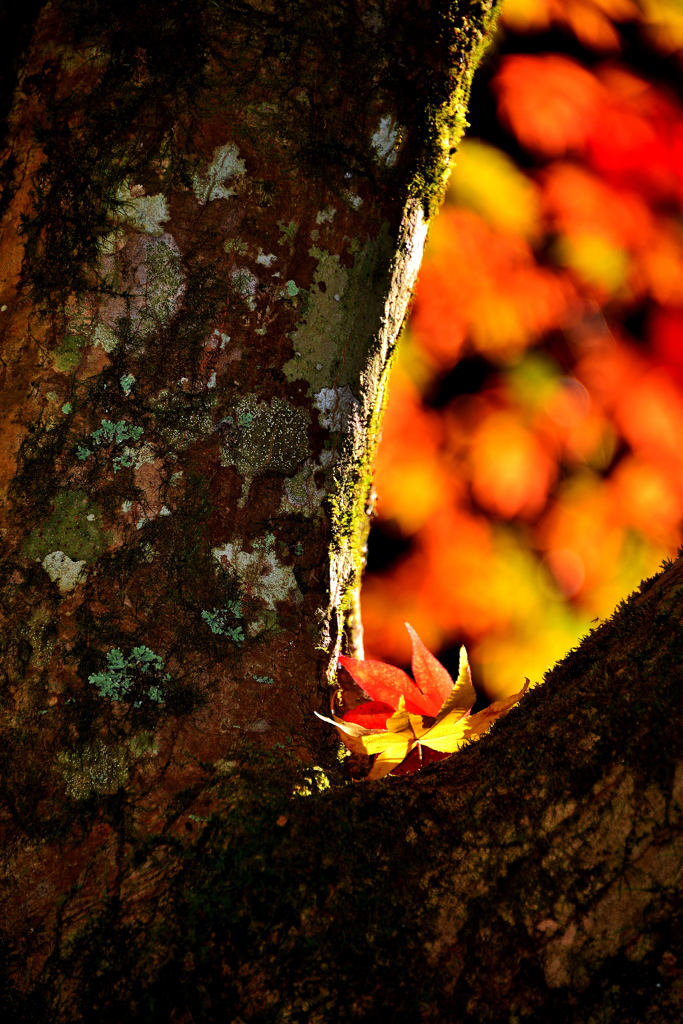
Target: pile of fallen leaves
[409,723]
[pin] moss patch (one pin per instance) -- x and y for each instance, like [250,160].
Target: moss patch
[96,768]
[68,355]
[73,528]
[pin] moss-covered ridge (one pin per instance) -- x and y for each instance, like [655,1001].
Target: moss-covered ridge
[473,891]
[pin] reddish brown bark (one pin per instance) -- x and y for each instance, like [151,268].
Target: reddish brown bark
[212,222]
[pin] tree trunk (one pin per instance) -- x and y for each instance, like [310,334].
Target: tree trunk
[212,220]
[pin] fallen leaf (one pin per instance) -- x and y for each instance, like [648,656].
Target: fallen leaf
[404,716]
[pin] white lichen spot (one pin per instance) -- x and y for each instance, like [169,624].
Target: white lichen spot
[104,337]
[259,572]
[141,212]
[352,199]
[211,383]
[224,165]
[134,210]
[163,511]
[386,139]
[245,284]
[63,571]
[266,260]
[339,409]
[325,215]
[262,725]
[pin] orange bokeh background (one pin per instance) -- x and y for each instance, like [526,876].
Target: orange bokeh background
[530,472]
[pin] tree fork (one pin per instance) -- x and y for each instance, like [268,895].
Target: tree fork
[213,214]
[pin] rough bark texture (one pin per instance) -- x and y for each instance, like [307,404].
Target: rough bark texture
[533,877]
[213,213]
[172,854]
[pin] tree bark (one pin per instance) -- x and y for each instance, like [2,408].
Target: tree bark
[213,215]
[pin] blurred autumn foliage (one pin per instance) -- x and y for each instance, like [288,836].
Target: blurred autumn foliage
[531,468]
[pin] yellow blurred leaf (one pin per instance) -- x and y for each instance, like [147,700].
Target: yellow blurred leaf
[595,259]
[487,181]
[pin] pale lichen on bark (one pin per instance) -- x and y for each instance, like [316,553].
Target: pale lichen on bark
[209,243]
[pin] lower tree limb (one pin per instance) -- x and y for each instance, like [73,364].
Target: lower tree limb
[535,876]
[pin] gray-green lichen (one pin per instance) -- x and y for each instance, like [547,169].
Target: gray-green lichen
[237,246]
[265,438]
[118,680]
[339,409]
[330,341]
[162,283]
[386,141]
[140,212]
[74,530]
[218,621]
[355,201]
[113,436]
[224,165]
[85,328]
[301,493]
[104,337]
[245,284]
[325,215]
